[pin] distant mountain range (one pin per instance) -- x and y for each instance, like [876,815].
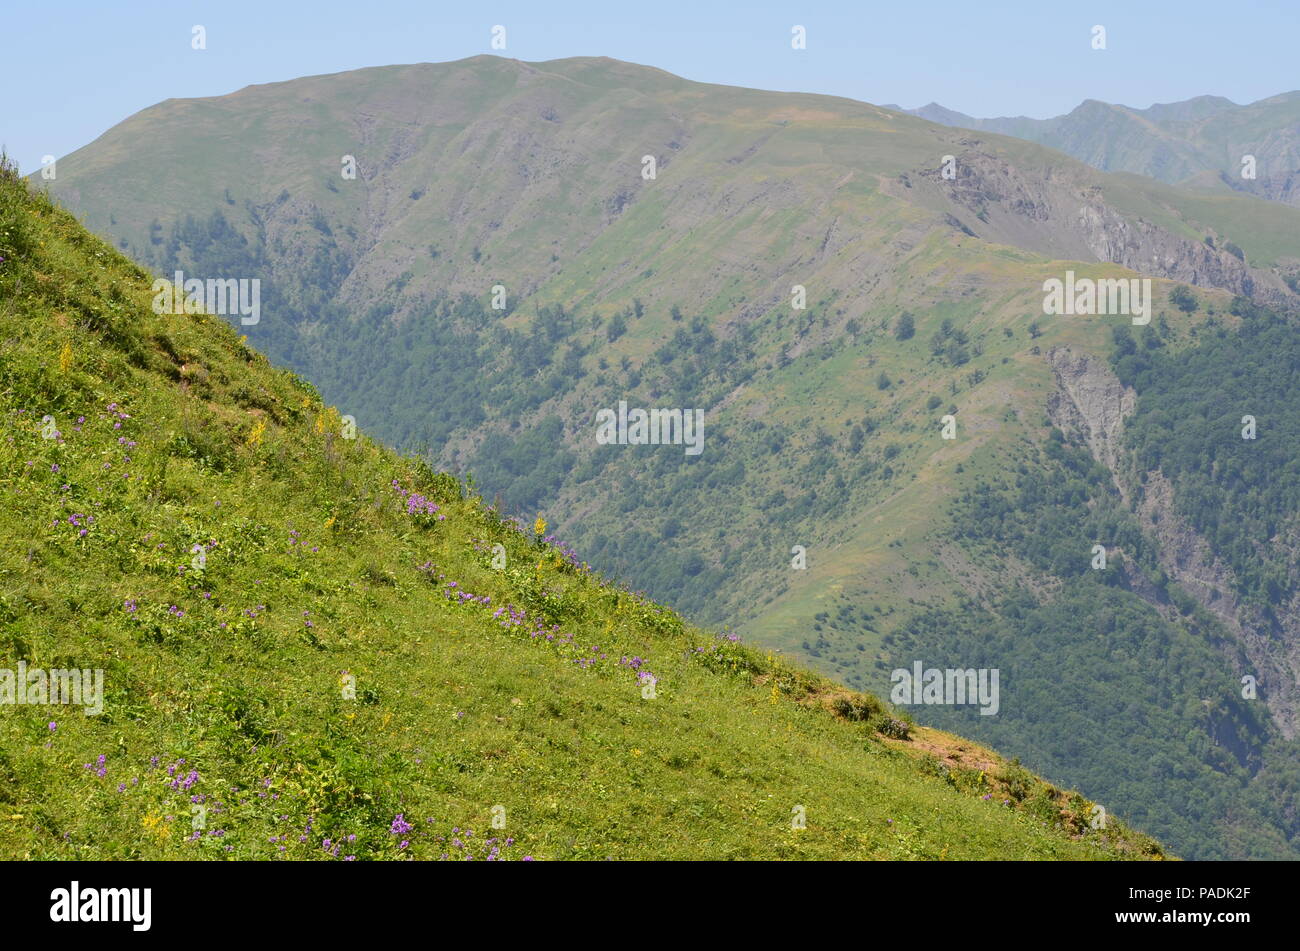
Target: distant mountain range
[1201,142]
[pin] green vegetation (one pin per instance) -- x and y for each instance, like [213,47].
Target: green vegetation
[1113,678]
[1224,759]
[822,424]
[1183,298]
[615,290]
[1241,494]
[316,641]
[905,328]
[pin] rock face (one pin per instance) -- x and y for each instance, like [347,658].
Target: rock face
[1091,404]
[1283,187]
[1064,213]
[1147,249]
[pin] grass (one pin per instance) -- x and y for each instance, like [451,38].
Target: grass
[291,671]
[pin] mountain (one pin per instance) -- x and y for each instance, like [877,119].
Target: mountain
[827,515]
[202,530]
[1201,142]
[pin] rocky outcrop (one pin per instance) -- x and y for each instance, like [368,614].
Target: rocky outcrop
[1141,246]
[1064,213]
[1090,404]
[1283,187]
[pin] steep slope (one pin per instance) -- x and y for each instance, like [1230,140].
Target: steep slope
[1201,141]
[1087,583]
[827,515]
[309,648]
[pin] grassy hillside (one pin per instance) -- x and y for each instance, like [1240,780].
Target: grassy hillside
[195,523]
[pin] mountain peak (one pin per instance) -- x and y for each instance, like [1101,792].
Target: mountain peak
[1198,107]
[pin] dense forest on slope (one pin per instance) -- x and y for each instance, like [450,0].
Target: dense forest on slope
[1242,494]
[1116,677]
[1133,700]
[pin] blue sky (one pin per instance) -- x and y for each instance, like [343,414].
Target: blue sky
[73,69]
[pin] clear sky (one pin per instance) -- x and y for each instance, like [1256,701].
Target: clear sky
[71,69]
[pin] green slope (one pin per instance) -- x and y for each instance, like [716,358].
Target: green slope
[323,558]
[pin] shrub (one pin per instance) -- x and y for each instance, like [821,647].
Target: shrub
[1183,298]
